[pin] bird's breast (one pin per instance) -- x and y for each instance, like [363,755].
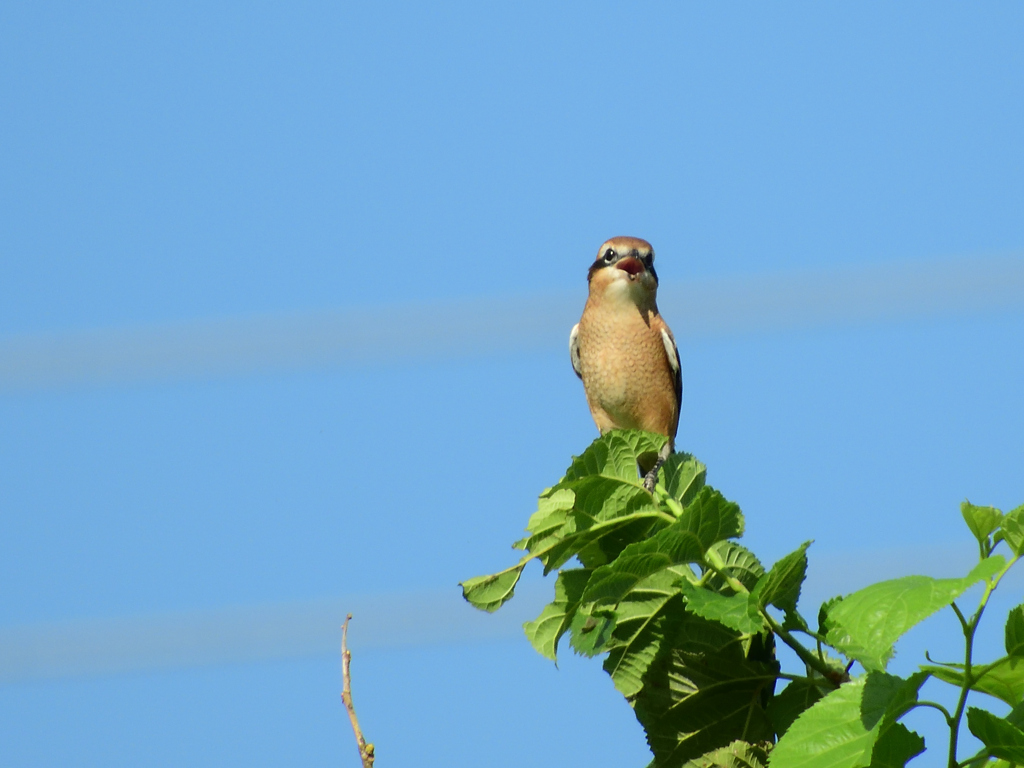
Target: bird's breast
[624,369]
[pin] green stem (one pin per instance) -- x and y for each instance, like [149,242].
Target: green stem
[814,635]
[970,627]
[932,705]
[954,722]
[717,564]
[796,678]
[982,755]
[959,615]
[674,506]
[805,655]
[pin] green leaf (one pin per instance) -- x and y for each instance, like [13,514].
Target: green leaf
[671,546]
[785,707]
[1015,632]
[615,455]
[794,622]
[553,508]
[740,563]
[632,631]
[981,520]
[896,747]
[897,695]
[546,630]
[1016,716]
[624,600]
[683,477]
[866,625]
[583,532]
[1003,679]
[489,593]
[739,754]
[599,507]
[708,520]
[734,611]
[830,734]
[640,626]
[781,585]
[823,613]
[686,540]
[842,729]
[704,691]
[711,518]
[595,551]
[1002,739]
[592,628]
[1012,530]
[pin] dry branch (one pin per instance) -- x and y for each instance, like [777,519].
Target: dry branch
[365,750]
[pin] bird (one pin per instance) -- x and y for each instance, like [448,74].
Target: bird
[623,350]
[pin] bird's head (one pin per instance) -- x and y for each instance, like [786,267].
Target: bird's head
[624,265]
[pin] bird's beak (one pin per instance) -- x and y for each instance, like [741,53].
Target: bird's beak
[632,266]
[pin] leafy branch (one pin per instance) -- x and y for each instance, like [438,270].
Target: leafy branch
[687,620]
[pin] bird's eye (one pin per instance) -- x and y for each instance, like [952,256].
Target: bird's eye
[649,259]
[609,255]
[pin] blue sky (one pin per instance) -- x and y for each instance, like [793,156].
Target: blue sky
[198,161]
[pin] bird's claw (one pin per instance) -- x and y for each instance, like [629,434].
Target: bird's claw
[651,480]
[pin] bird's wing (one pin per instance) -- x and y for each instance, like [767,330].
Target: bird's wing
[672,352]
[574,349]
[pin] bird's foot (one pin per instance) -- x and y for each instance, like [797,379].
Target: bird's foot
[651,478]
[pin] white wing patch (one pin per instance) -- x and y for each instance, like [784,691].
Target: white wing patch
[670,350]
[574,349]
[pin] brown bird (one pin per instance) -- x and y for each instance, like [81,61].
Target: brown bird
[624,352]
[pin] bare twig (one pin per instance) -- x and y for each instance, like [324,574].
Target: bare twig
[365,750]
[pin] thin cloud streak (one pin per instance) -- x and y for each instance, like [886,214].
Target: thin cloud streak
[98,647]
[312,629]
[414,333]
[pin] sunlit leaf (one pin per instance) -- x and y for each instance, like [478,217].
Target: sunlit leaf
[866,625]
[739,754]
[1011,530]
[982,521]
[823,613]
[553,508]
[671,546]
[489,593]
[614,455]
[842,729]
[785,707]
[1004,679]
[545,631]
[740,563]
[712,518]
[737,612]
[781,585]
[599,507]
[683,477]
